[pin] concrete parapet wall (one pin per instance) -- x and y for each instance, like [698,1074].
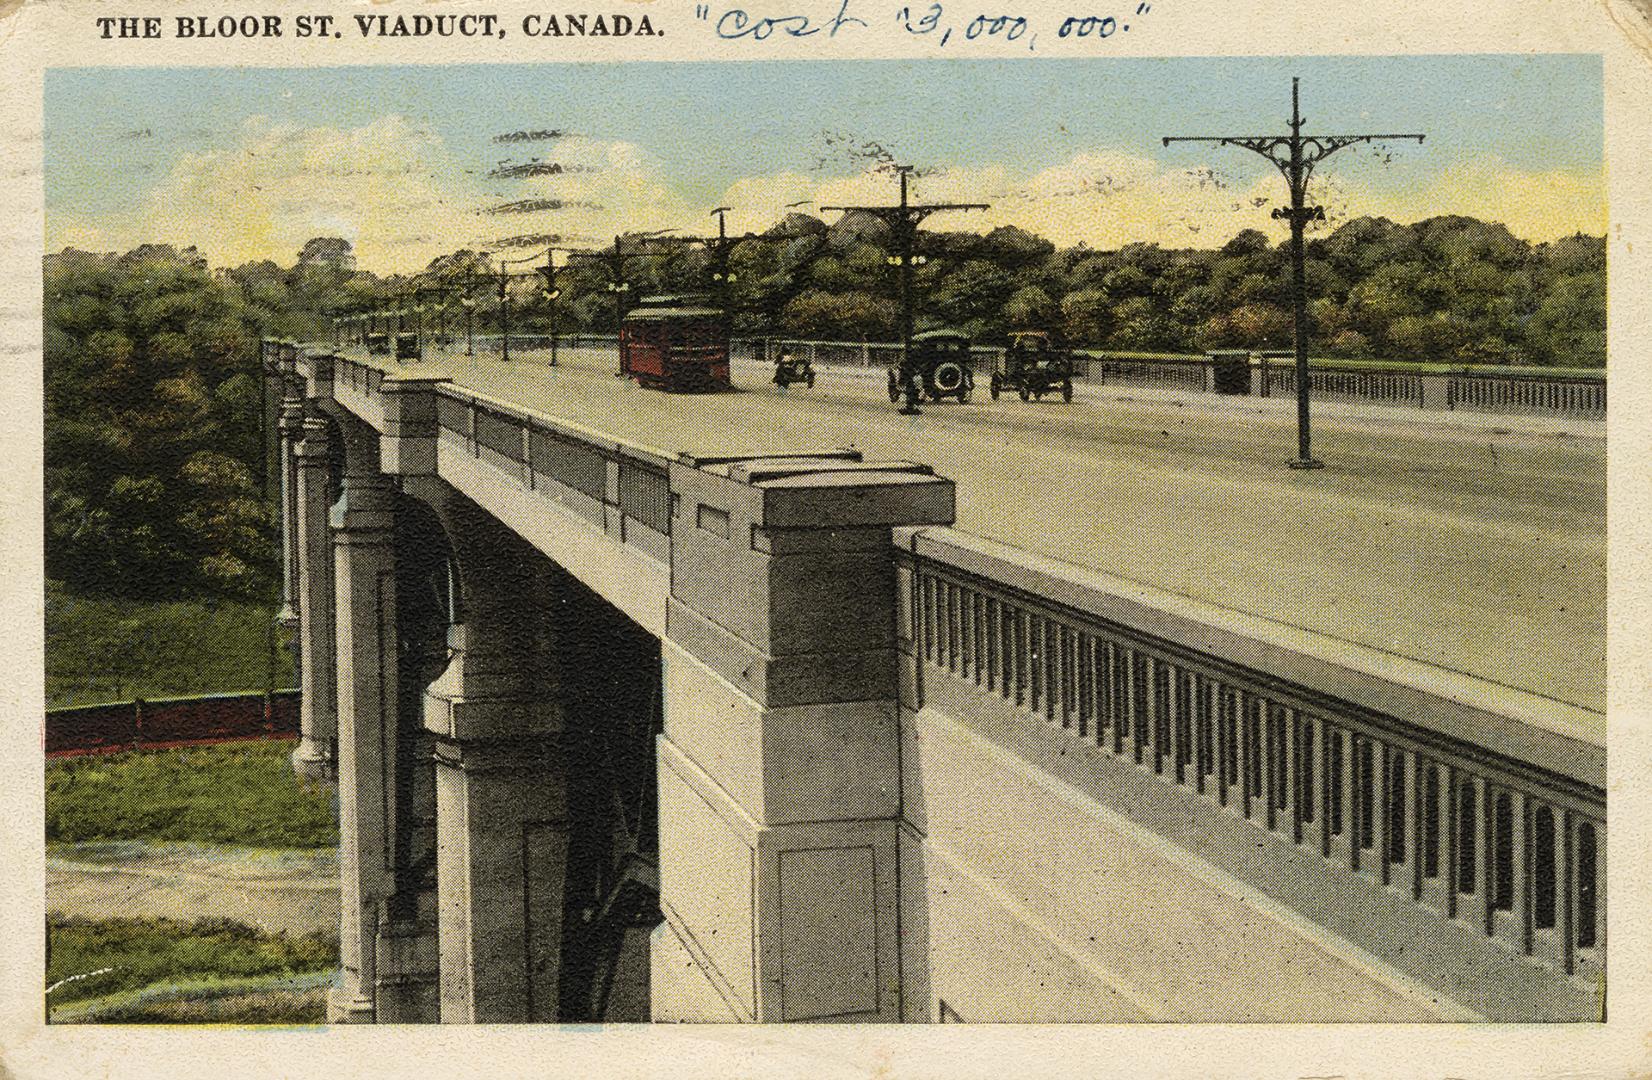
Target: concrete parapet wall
[1429,830]
[1039,904]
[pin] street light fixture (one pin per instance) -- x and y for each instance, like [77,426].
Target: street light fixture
[505,317]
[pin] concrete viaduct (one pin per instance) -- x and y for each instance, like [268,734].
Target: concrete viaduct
[873,768]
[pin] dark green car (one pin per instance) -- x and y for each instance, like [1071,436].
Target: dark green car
[940,366]
[1033,367]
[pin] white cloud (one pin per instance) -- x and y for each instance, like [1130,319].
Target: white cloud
[1107,199]
[388,187]
[398,194]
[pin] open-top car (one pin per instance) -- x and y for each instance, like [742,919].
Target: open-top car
[940,365]
[1033,367]
[792,367]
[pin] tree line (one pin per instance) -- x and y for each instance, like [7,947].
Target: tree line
[157,483]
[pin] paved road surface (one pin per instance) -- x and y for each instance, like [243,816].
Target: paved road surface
[1461,545]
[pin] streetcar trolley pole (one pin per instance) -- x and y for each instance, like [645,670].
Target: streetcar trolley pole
[1295,155]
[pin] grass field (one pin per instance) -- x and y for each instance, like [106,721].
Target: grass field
[106,649]
[103,958]
[237,793]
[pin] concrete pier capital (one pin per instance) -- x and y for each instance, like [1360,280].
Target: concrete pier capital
[408,445]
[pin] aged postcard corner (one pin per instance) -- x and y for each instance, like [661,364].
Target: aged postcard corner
[676,538]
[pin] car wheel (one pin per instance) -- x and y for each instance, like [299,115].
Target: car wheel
[1026,395]
[995,387]
[1067,390]
[809,380]
[894,389]
[948,377]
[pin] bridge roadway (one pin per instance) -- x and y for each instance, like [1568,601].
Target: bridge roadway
[1469,547]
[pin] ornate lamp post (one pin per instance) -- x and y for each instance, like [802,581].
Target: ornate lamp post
[549,294]
[620,289]
[505,317]
[468,302]
[1295,155]
[903,220]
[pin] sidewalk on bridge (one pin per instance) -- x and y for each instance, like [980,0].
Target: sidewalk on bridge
[1284,407]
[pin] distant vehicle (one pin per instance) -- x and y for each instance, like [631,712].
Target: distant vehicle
[378,344]
[1033,367]
[940,366]
[674,343]
[791,368]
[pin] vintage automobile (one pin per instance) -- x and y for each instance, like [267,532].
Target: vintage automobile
[675,343]
[791,368]
[1033,367]
[940,366]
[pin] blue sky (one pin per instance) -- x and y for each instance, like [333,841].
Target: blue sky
[243,161]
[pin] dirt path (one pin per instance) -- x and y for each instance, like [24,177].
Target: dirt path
[295,892]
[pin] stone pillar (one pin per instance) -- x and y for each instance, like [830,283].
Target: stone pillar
[500,866]
[501,800]
[290,427]
[779,765]
[317,754]
[1434,392]
[365,583]
[501,790]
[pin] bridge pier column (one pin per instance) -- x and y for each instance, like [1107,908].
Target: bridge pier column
[365,589]
[501,786]
[779,765]
[501,864]
[289,429]
[317,752]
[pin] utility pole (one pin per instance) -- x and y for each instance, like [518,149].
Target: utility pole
[550,293]
[903,221]
[1295,155]
[505,315]
[614,261]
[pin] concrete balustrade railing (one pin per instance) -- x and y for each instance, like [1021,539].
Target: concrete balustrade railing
[1425,386]
[1453,828]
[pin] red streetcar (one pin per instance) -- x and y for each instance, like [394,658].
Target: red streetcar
[673,343]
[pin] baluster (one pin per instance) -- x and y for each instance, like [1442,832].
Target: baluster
[993,628]
[1348,795]
[1203,751]
[1055,639]
[1290,771]
[1224,761]
[1481,910]
[1171,711]
[1023,656]
[1141,704]
[1120,691]
[943,624]
[1410,813]
[1566,892]
[978,620]
[1241,718]
[954,628]
[1037,658]
[1307,775]
[931,649]
[966,635]
[1086,682]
